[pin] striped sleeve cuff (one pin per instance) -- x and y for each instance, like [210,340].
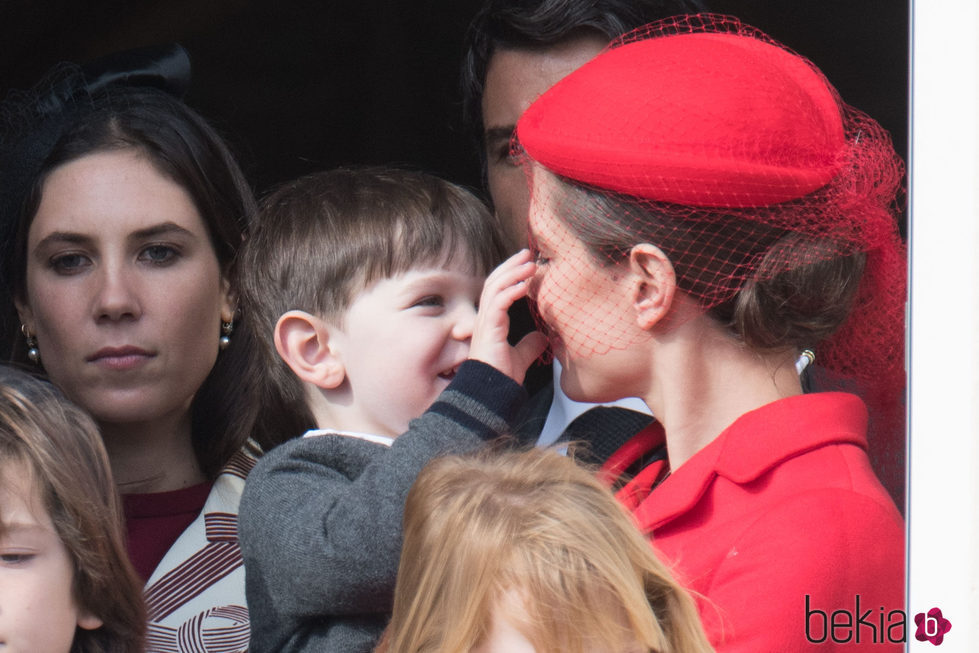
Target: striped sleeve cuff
[482,399]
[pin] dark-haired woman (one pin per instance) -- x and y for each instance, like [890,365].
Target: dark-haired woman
[124,212]
[705,209]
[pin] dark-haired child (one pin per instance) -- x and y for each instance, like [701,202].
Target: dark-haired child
[365,283]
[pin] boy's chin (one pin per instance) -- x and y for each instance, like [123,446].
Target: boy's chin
[441,383]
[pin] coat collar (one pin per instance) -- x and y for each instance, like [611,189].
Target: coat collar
[754,444]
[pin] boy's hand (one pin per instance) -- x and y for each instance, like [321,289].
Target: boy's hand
[505,285]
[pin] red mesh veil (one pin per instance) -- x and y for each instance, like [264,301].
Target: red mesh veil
[738,159]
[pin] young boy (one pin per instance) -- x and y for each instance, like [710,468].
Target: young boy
[366,282]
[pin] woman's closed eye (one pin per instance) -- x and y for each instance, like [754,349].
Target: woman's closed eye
[539,258]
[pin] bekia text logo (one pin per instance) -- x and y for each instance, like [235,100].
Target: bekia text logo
[931,626]
[871,625]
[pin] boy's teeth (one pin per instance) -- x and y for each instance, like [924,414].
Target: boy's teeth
[448,374]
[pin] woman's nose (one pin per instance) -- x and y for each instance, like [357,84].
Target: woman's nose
[116,297]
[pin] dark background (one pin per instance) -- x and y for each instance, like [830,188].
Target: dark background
[301,85]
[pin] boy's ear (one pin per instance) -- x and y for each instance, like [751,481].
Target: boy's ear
[88,621]
[655,284]
[304,343]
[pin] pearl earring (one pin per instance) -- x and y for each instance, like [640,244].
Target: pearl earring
[226,329]
[33,353]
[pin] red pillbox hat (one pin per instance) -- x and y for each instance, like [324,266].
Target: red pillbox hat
[700,119]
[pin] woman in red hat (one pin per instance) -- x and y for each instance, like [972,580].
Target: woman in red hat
[706,213]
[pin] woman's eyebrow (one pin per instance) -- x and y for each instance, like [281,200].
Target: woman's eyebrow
[63,237]
[75,238]
[162,229]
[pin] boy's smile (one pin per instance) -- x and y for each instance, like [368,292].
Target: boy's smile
[401,342]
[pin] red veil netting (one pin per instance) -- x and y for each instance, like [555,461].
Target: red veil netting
[736,157]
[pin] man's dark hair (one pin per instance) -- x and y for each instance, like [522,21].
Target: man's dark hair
[534,24]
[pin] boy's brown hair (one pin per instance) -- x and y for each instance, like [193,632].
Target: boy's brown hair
[327,236]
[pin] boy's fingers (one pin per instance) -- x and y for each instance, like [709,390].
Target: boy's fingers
[507,278]
[510,294]
[509,266]
[505,285]
[499,294]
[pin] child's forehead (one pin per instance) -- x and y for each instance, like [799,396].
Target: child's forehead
[461,260]
[453,275]
[18,476]
[447,264]
[21,500]
[456,255]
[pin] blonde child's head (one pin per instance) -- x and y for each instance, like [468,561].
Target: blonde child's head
[530,546]
[339,261]
[66,583]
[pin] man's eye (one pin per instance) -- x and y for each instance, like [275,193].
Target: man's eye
[502,155]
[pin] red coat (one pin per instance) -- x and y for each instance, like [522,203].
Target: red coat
[779,525]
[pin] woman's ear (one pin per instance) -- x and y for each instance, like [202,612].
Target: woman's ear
[306,343]
[655,284]
[229,301]
[25,313]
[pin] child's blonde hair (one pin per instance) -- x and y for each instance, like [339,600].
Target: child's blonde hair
[479,528]
[62,451]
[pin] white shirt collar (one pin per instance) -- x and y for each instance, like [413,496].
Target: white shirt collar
[386,440]
[563,410]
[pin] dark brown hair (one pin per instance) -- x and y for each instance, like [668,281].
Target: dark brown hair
[184,148]
[543,24]
[62,450]
[323,238]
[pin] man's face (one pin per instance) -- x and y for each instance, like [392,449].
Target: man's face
[514,79]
